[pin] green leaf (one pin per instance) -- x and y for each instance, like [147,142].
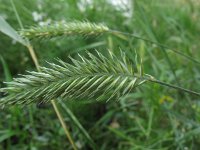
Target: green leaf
[78,124]
[6,70]
[9,31]
[5,134]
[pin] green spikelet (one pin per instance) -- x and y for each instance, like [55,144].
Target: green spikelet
[77,28]
[93,77]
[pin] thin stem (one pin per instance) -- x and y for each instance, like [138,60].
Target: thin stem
[35,60]
[60,117]
[78,124]
[17,15]
[34,57]
[161,45]
[30,109]
[151,79]
[63,124]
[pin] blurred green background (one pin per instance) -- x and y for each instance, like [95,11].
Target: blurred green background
[153,117]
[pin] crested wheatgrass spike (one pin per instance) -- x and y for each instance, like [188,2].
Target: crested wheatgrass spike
[60,29]
[95,76]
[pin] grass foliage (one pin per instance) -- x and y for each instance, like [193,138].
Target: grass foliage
[165,34]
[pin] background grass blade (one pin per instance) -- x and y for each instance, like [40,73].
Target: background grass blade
[6,134]
[6,70]
[9,31]
[78,125]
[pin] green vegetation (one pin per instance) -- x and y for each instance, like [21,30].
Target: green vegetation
[96,73]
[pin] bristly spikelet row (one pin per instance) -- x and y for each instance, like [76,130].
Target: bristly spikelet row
[94,77]
[59,29]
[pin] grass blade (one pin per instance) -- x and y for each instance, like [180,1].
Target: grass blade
[78,124]
[9,31]
[6,70]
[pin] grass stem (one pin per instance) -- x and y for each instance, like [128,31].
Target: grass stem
[60,117]
[115,32]
[63,125]
[151,79]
